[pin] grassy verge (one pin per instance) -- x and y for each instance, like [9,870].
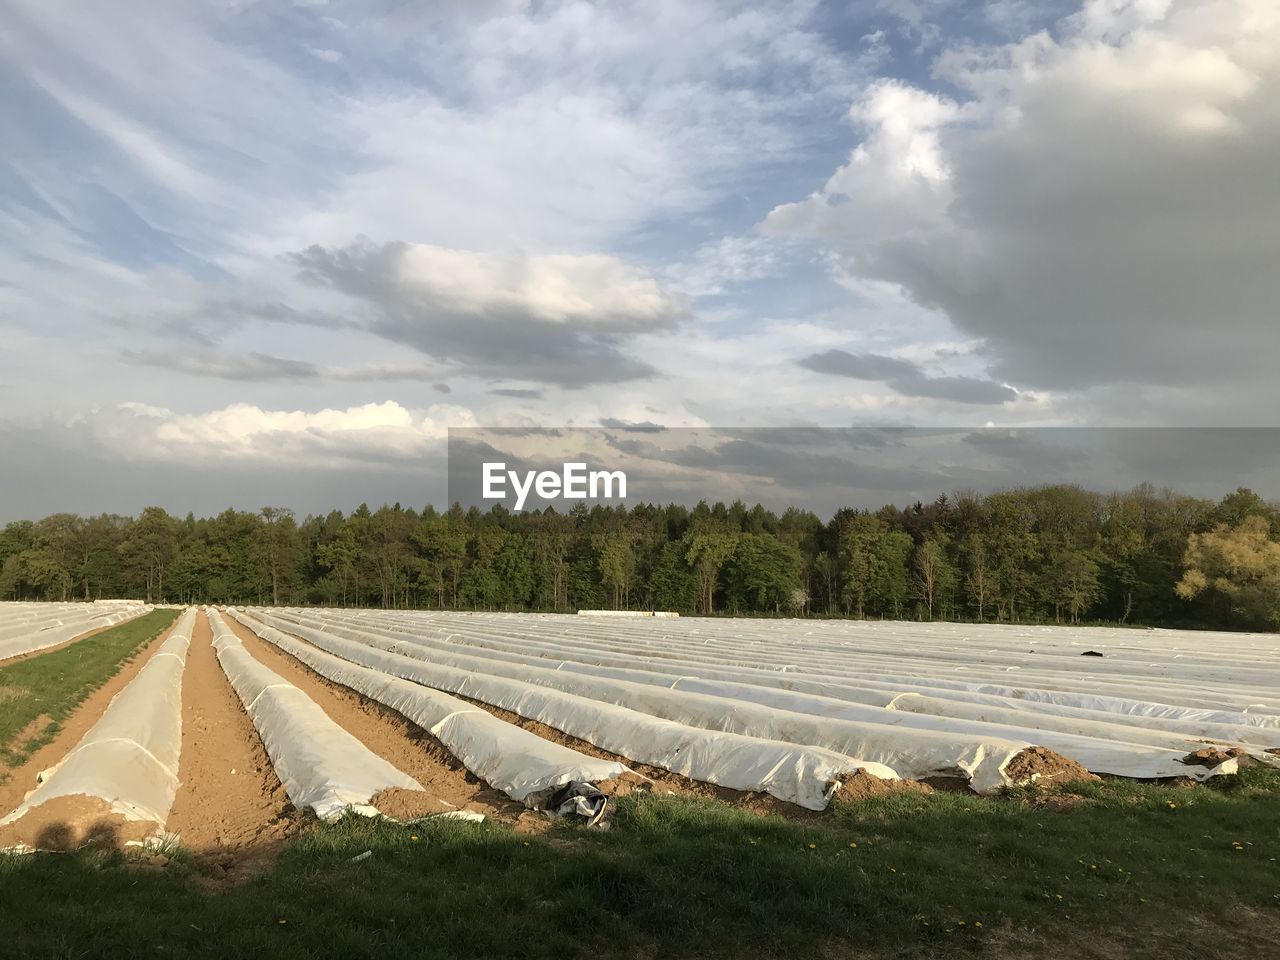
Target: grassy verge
[1112,870]
[53,684]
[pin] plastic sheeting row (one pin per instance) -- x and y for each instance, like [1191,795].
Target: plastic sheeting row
[322,767]
[508,758]
[41,629]
[129,758]
[915,742]
[792,771]
[1154,725]
[690,672]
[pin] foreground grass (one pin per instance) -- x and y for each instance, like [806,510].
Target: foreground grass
[1128,871]
[53,684]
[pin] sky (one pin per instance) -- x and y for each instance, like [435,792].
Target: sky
[270,252]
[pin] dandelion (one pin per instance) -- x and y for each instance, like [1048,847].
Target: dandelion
[283,920]
[413,836]
[892,870]
[977,923]
[1057,896]
[813,846]
[853,846]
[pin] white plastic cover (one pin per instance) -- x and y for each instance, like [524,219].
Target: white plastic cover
[31,630]
[891,715]
[795,773]
[506,757]
[688,673]
[323,768]
[129,758]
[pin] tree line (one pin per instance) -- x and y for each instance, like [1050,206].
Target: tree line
[1046,554]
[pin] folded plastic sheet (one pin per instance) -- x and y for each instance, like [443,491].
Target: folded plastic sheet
[130,757]
[796,773]
[323,768]
[41,632]
[506,757]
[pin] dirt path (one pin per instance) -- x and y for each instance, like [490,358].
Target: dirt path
[447,783]
[229,797]
[17,782]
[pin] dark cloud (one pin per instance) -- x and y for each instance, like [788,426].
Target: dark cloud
[632,426]
[498,333]
[907,378]
[859,366]
[1092,226]
[41,474]
[520,393]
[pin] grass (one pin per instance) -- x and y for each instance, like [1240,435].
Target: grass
[1122,870]
[51,685]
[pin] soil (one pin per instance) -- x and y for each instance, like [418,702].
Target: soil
[68,823]
[17,782]
[229,797]
[447,783]
[863,786]
[1212,756]
[1040,767]
[401,804]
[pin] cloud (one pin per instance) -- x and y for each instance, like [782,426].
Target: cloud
[371,434]
[1097,205]
[721,264]
[631,426]
[261,367]
[521,393]
[554,318]
[865,366]
[907,378]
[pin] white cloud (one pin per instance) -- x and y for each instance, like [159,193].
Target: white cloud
[373,433]
[1100,210]
[547,318]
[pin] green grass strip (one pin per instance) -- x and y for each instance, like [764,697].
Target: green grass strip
[53,684]
[1116,869]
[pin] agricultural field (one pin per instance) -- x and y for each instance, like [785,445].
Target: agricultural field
[321,782]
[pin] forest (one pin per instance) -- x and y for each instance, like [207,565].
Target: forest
[1055,554]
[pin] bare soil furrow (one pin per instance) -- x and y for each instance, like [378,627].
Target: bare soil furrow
[446,782]
[230,797]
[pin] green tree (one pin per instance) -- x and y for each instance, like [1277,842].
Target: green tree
[708,553]
[1239,564]
[935,575]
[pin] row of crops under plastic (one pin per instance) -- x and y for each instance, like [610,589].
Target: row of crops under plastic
[28,627]
[784,707]
[131,758]
[814,700]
